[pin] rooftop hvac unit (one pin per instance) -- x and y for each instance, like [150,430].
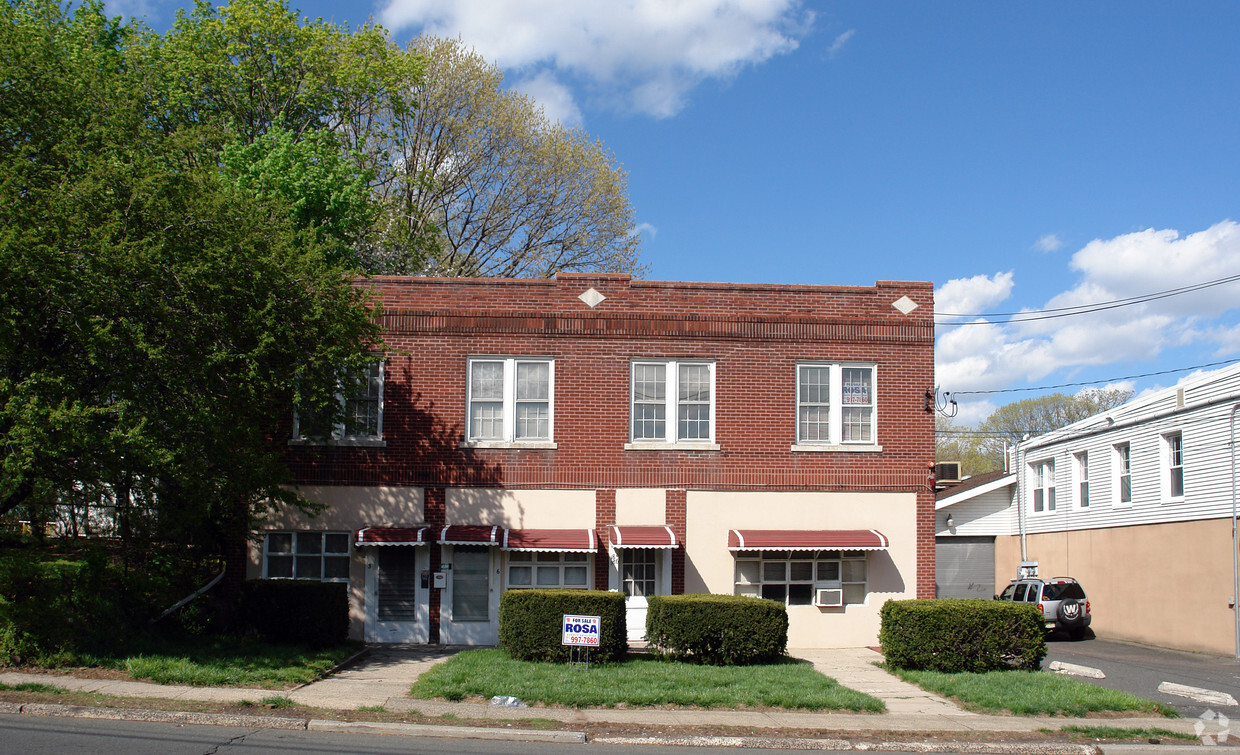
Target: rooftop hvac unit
[828,598]
[947,471]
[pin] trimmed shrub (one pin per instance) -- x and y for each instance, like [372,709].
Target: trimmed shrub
[955,634]
[295,612]
[530,623]
[721,630]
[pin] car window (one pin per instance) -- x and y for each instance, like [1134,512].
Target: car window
[1034,592]
[1066,591]
[1007,592]
[1020,591]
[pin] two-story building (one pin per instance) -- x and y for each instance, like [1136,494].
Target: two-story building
[593,431]
[1137,503]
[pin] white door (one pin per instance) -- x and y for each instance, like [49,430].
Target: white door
[397,605]
[470,605]
[640,572]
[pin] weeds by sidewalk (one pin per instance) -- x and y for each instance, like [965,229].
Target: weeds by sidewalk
[641,682]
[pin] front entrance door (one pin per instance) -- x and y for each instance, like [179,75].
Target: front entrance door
[397,606]
[471,607]
[639,576]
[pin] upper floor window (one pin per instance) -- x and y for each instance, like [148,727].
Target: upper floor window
[672,402]
[835,404]
[306,555]
[1080,473]
[359,397]
[1121,477]
[1173,465]
[511,400]
[1043,479]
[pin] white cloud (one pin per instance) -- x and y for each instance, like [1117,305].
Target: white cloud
[992,356]
[642,55]
[645,229]
[838,44]
[1048,243]
[555,98]
[973,295]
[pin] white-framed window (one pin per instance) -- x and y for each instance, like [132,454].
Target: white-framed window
[1172,466]
[528,570]
[306,555]
[359,395]
[1080,478]
[672,402]
[835,404]
[1042,484]
[794,577]
[638,571]
[1121,474]
[510,400]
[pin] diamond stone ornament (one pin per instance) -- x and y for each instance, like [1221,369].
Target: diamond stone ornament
[904,304]
[593,298]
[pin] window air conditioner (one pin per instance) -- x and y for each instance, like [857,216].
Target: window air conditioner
[824,597]
[947,471]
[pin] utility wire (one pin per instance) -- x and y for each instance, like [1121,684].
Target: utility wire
[1081,309]
[1093,382]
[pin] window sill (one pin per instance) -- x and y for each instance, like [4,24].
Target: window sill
[859,448]
[1178,499]
[341,442]
[640,446]
[503,444]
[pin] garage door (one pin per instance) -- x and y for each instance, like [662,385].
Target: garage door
[965,567]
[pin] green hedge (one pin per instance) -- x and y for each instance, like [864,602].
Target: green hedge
[952,634]
[530,623]
[722,630]
[295,611]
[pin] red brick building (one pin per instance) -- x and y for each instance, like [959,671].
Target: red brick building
[649,437]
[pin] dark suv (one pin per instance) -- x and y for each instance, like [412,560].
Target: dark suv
[1061,600]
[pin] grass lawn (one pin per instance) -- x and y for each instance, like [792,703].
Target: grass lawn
[1031,693]
[1124,734]
[640,682]
[225,662]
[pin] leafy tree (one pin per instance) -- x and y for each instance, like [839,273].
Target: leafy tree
[154,315]
[502,190]
[982,449]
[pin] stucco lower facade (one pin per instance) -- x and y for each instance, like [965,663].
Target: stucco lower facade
[1161,584]
[699,561]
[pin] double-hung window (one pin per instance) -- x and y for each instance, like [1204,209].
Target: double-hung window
[825,578]
[672,402]
[511,401]
[1173,466]
[1121,475]
[1043,479]
[835,405]
[1080,473]
[306,555]
[358,410]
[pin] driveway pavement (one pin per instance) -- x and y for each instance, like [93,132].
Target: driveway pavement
[1142,669]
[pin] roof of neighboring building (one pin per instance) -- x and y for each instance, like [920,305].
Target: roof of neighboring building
[976,481]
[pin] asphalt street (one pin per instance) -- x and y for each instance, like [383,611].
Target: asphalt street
[1140,669]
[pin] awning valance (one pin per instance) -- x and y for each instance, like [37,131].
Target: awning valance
[626,536]
[471,534]
[391,536]
[558,541]
[806,540]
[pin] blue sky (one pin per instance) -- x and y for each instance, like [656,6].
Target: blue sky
[1019,155]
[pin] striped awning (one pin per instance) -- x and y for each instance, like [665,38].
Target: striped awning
[626,536]
[471,534]
[557,541]
[391,536]
[806,540]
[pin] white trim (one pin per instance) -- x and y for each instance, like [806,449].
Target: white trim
[671,439]
[965,495]
[508,403]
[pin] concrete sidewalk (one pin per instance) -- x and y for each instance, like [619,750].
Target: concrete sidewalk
[383,677]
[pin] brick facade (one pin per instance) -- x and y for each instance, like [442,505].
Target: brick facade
[754,334]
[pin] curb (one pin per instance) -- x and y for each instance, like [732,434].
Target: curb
[970,748]
[457,732]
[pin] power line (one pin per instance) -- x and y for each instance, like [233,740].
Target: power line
[1081,309]
[1093,382]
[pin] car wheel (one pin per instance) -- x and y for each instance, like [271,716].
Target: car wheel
[1077,633]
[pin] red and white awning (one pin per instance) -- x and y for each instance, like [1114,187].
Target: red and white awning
[555,541]
[626,536]
[391,536]
[806,540]
[471,534]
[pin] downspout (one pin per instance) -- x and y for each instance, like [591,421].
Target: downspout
[1235,540]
